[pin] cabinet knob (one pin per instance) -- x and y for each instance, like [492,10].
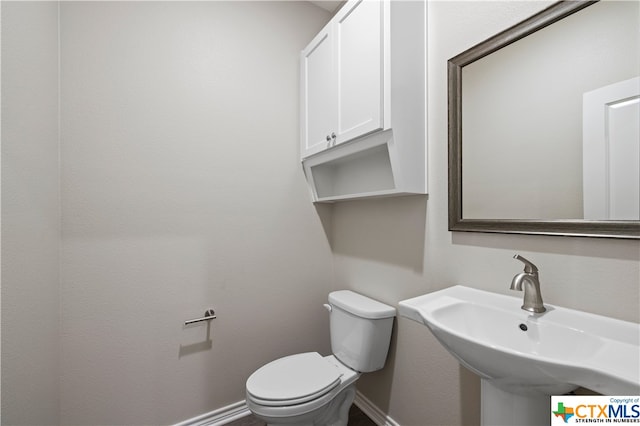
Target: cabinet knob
[331,139]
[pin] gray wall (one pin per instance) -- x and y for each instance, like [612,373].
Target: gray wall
[182,190]
[387,249]
[30,213]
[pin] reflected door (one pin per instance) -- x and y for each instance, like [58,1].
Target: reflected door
[611,152]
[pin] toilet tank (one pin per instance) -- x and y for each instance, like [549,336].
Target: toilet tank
[360,330]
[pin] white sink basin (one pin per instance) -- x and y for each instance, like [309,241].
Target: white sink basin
[549,353]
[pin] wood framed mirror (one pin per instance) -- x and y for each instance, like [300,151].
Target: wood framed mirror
[521,155]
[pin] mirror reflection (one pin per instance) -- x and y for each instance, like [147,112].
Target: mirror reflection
[551,123]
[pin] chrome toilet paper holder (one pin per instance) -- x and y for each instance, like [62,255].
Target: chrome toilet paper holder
[208,316]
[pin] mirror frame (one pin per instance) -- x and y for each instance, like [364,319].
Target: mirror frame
[565,227]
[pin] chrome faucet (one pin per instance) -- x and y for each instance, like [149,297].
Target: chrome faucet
[530,280]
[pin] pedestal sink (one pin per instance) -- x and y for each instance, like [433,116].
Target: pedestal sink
[522,358]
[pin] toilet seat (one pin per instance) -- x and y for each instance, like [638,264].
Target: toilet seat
[294,379]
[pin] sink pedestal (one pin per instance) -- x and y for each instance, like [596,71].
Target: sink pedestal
[502,408]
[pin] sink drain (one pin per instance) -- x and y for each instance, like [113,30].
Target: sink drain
[523,327]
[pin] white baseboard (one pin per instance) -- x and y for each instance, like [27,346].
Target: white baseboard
[378,416]
[225,415]
[219,417]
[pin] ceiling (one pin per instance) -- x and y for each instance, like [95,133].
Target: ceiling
[329,5]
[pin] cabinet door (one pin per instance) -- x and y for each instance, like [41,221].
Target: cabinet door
[359,68]
[318,109]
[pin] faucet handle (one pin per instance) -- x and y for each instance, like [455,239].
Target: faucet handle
[529,267]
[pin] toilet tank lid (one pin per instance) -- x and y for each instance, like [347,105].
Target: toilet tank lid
[360,305]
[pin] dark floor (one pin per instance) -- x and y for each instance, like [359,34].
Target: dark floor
[356,418]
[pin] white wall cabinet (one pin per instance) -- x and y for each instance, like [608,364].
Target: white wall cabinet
[366,63]
[318,84]
[342,78]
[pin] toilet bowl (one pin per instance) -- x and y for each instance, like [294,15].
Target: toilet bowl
[302,389]
[308,389]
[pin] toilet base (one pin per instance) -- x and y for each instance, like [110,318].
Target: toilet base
[335,413]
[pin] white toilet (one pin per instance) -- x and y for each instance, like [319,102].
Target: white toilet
[311,390]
